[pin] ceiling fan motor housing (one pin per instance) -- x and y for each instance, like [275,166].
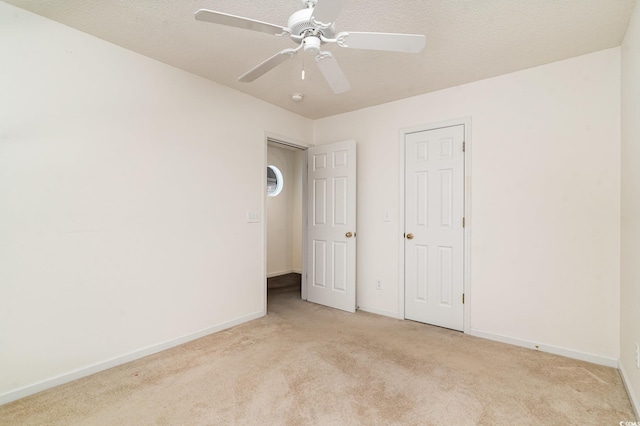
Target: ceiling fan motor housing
[301,24]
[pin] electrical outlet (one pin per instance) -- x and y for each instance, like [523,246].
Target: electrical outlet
[378,284]
[637,355]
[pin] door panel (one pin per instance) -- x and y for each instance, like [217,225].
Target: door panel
[340,260]
[319,200]
[340,205]
[319,263]
[434,208]
[332,228]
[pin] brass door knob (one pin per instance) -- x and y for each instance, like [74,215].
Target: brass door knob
[348,235]
[409,236]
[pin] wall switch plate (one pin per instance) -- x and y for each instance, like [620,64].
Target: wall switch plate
[386,217]
[253,217]
[378,284]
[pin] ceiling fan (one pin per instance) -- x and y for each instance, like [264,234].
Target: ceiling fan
[310,28]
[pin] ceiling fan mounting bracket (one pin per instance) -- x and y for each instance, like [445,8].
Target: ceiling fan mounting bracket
[285,33]
[341,39]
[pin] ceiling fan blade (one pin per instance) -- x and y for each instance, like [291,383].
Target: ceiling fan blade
[408,43]
[332,72]
[267,65]
[326,11]
[239,22]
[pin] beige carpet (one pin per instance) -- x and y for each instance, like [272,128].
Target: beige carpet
[304,364]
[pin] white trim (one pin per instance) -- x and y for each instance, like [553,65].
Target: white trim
[377,311]
[305,228]
[466,122]
[401,227]
[286,140]
[468,222]
[556,350]
[285,272]
[263,208]
[119,360]
[632,396]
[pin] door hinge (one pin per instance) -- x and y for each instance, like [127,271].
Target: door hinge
[463,222]
[464,147]
[463,298]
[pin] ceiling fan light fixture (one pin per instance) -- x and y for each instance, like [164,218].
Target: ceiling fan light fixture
[312,44]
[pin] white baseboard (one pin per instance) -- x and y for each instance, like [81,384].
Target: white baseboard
[632,395]
[378,311]
[569,353]
[288,271]
[119,360]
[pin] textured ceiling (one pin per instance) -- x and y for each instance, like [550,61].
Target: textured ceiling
[467,40]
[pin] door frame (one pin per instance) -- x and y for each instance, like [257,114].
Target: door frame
[466,121]
[283,140]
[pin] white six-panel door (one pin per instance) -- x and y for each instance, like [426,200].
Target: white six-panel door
[434,235]
[331,225]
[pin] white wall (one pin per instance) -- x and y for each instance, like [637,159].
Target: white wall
[630,244]
[122,227]
[284,214]
[545,190]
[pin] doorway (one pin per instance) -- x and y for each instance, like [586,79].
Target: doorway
[310,220]
[284,214]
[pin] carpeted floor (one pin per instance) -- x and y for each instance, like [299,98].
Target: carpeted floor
[305,364]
